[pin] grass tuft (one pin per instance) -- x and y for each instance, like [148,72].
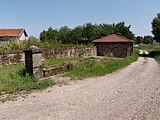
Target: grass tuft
[12,80]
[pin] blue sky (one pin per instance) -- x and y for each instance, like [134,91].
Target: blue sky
[37,15]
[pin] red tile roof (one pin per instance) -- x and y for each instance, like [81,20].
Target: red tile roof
[113,38]
[12,32]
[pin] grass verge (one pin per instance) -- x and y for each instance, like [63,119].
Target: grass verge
[12,80]
[157,58]
[155,54]
[102,67]
[149,47]
[154,50]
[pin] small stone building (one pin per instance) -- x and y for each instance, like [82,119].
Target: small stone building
[114,46]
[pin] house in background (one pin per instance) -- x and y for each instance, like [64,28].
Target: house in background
[12,34]
[114,46]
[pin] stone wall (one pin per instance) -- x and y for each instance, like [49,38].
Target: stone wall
[120,50]
[9,58]
[69,52]
[14,57]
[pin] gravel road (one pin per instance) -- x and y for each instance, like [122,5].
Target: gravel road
[132,93]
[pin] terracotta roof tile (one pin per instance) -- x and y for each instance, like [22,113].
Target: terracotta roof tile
[113,38]
[12,32]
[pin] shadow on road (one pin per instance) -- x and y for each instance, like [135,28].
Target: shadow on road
[154,53]
[151,54]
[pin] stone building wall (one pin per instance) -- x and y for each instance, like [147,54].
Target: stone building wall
[14,57]
[120,50]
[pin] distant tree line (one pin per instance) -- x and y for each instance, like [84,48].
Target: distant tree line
[144,39]
[89,32]
[85,33]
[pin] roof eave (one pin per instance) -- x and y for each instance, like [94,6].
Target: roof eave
[25,33]
[113,42]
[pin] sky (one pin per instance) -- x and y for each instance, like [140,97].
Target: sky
[38,15]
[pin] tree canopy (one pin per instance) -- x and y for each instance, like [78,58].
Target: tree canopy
[87,32]
[144,39]
[51,35]
[156,27]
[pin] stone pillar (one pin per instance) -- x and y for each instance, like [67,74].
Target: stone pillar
[33,61]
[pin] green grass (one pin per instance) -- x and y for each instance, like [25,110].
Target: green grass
[155,54]
[154,51]
[12,80]
[57,61]
[102,67]
[149,47]
[157,58]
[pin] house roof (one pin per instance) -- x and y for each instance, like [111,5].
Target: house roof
[113,38]
[12,32]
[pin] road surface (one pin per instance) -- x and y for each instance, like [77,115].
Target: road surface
[132,93]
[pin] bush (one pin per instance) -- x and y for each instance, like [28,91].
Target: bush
[155,54]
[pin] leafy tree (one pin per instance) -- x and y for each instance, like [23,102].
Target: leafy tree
[64,35]
[31,41]
[85,33]
[156,27]
[89,31]
[43,35]
[123,30]
[76,35]
[144,39]
[139,39]
[148,39]
[51,35]
[107,29]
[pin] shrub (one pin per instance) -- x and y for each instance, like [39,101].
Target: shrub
[155,54]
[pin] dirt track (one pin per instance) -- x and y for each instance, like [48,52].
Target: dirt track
[131,93]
